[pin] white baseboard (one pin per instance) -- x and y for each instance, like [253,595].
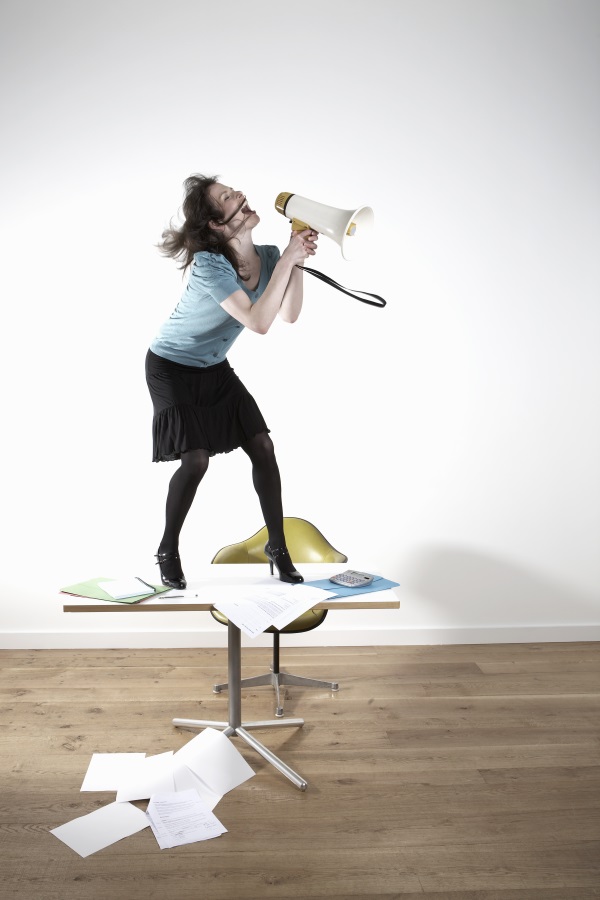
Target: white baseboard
[63,640]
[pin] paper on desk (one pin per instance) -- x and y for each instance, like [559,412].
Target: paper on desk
[181,818]
[152,775]
[107,825]
[211,757]
[255,607]
[125,587]
[109,771]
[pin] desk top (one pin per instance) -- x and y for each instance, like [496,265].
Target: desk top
[211,577]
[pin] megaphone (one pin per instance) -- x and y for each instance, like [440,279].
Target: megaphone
[344,226]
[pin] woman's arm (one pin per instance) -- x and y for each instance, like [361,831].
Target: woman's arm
[259,316]
[292,299]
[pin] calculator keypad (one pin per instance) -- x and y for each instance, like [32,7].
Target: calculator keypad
[352,579]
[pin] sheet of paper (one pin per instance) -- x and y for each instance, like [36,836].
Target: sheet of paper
[107,825]
[185,780]
[153,775]
[212,758]
[181,818]
[121,588]
[108,771]
[255,607]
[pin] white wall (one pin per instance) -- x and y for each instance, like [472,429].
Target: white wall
[471,472]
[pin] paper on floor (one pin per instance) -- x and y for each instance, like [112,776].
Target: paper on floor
[181,818]
[153,775]
[109,771]
[185,780]
[96,830]
[213,759]
[208,766]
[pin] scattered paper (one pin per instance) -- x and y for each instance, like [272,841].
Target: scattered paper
[153,775]
[197,776]
[108,771]
[255,607]
[212,758]
[181,818]
[96,830]
[185,780]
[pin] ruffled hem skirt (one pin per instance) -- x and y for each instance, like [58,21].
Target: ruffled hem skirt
[199,409]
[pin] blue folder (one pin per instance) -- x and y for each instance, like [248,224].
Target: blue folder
[378,584]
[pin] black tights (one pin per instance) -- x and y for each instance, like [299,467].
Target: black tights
[185,481]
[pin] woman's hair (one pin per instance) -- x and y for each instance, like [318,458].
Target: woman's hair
[196,234]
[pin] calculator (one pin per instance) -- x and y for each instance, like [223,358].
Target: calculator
[351,578]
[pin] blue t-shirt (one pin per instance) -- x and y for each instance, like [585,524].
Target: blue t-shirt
[199,332]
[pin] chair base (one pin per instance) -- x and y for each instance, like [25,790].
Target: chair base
[241,731]
[276,680]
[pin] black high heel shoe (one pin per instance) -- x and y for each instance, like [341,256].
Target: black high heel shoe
[285,567]
[171,573]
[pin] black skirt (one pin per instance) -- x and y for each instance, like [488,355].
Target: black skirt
[199,408]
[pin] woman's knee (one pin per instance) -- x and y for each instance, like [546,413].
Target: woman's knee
[195,463]
[260,449]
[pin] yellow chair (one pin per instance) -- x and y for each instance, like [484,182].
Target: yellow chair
[306,545]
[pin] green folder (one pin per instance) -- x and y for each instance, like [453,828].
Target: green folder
[92,588]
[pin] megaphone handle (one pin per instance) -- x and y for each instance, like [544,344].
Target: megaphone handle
[299,225]
[378,301]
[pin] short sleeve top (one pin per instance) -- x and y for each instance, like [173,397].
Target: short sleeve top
[199,331]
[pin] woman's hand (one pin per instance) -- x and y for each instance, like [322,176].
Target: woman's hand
[302,244]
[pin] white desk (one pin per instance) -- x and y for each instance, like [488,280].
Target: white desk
[242,575]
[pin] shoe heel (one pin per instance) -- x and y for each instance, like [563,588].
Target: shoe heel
[176,578]
[280,558]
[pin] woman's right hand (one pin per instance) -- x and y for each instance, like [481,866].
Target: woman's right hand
[302,244]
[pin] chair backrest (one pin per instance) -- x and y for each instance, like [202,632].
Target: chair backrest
[304,541]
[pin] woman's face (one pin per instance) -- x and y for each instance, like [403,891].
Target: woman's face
[235,212]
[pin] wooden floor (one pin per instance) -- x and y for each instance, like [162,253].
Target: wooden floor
[435,773]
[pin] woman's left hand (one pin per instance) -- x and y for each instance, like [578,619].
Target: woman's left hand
[309,240]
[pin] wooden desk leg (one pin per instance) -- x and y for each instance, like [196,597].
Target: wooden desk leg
[235,728]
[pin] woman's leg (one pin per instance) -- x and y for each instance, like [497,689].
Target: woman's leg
[182,490]
[267,483]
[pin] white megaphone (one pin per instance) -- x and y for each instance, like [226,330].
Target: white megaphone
[344,226]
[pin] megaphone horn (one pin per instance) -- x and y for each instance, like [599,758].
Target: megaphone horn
[343,226]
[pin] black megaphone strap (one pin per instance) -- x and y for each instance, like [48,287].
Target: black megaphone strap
[378,301]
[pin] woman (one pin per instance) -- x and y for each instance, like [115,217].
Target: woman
[200,405]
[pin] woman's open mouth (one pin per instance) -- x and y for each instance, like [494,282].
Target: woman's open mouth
[243,208]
